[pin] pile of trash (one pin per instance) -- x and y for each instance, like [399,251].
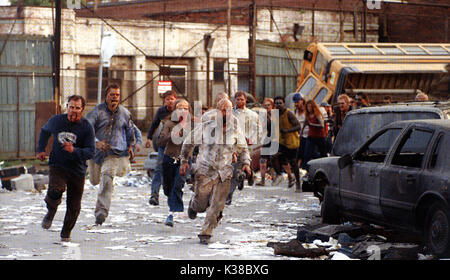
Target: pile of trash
[134,179]
[30,179]
[351,242]
[22,178]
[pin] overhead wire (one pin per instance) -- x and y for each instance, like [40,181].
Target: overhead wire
[131,43]
[140,50]
[286,49]
[178,59]
[118,32]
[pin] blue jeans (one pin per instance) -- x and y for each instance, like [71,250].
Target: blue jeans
[301,151]
[311,144]
[157,180]
[173,184]
[234,181]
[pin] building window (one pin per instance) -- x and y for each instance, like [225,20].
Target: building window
[178,78]
[219,68]
[243,75]
[107,78]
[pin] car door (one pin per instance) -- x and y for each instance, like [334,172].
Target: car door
[360,181]
[401,178]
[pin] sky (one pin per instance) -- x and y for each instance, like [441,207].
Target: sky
[4,3]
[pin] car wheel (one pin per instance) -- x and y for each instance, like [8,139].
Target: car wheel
[320,184]
[329,211]
[437,230]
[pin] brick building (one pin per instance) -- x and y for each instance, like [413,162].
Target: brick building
[155,33]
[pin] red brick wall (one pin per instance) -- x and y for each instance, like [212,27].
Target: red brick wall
[404,22]
[179,9]
[417,24]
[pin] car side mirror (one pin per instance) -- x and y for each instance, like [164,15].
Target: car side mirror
[345,161]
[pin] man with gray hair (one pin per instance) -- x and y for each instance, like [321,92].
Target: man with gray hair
[421,97]
[219,137]
[211,113]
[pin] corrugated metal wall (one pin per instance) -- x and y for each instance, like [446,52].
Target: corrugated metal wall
[277,68]
[25,78]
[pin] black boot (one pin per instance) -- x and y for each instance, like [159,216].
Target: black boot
[251,179]
[52,200]
[154,199]
[204,238]
[291,181]
[191,213]
[100,219]
[48,219]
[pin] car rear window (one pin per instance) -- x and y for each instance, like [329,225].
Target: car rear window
[439,157]
[412,148]
[358,128]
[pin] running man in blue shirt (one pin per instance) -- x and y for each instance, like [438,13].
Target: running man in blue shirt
[73,144]
[114,136]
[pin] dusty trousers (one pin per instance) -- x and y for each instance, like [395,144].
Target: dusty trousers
[59,181]
[210,196]
[111,167]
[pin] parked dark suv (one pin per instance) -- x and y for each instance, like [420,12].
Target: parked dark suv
[399,178]
[358,126]
[361,124]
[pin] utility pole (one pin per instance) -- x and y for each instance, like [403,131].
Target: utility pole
[341,22]
[228,45]
[57,55]
[208,43]
[252,49]
[313,13]
[100,70]
[164,35]
[208,90]
[365,22]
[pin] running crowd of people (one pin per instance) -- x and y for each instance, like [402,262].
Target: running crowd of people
[216,149]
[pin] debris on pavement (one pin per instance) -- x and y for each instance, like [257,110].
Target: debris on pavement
[350,241]
[294,248]
[23,182]
[263,223]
